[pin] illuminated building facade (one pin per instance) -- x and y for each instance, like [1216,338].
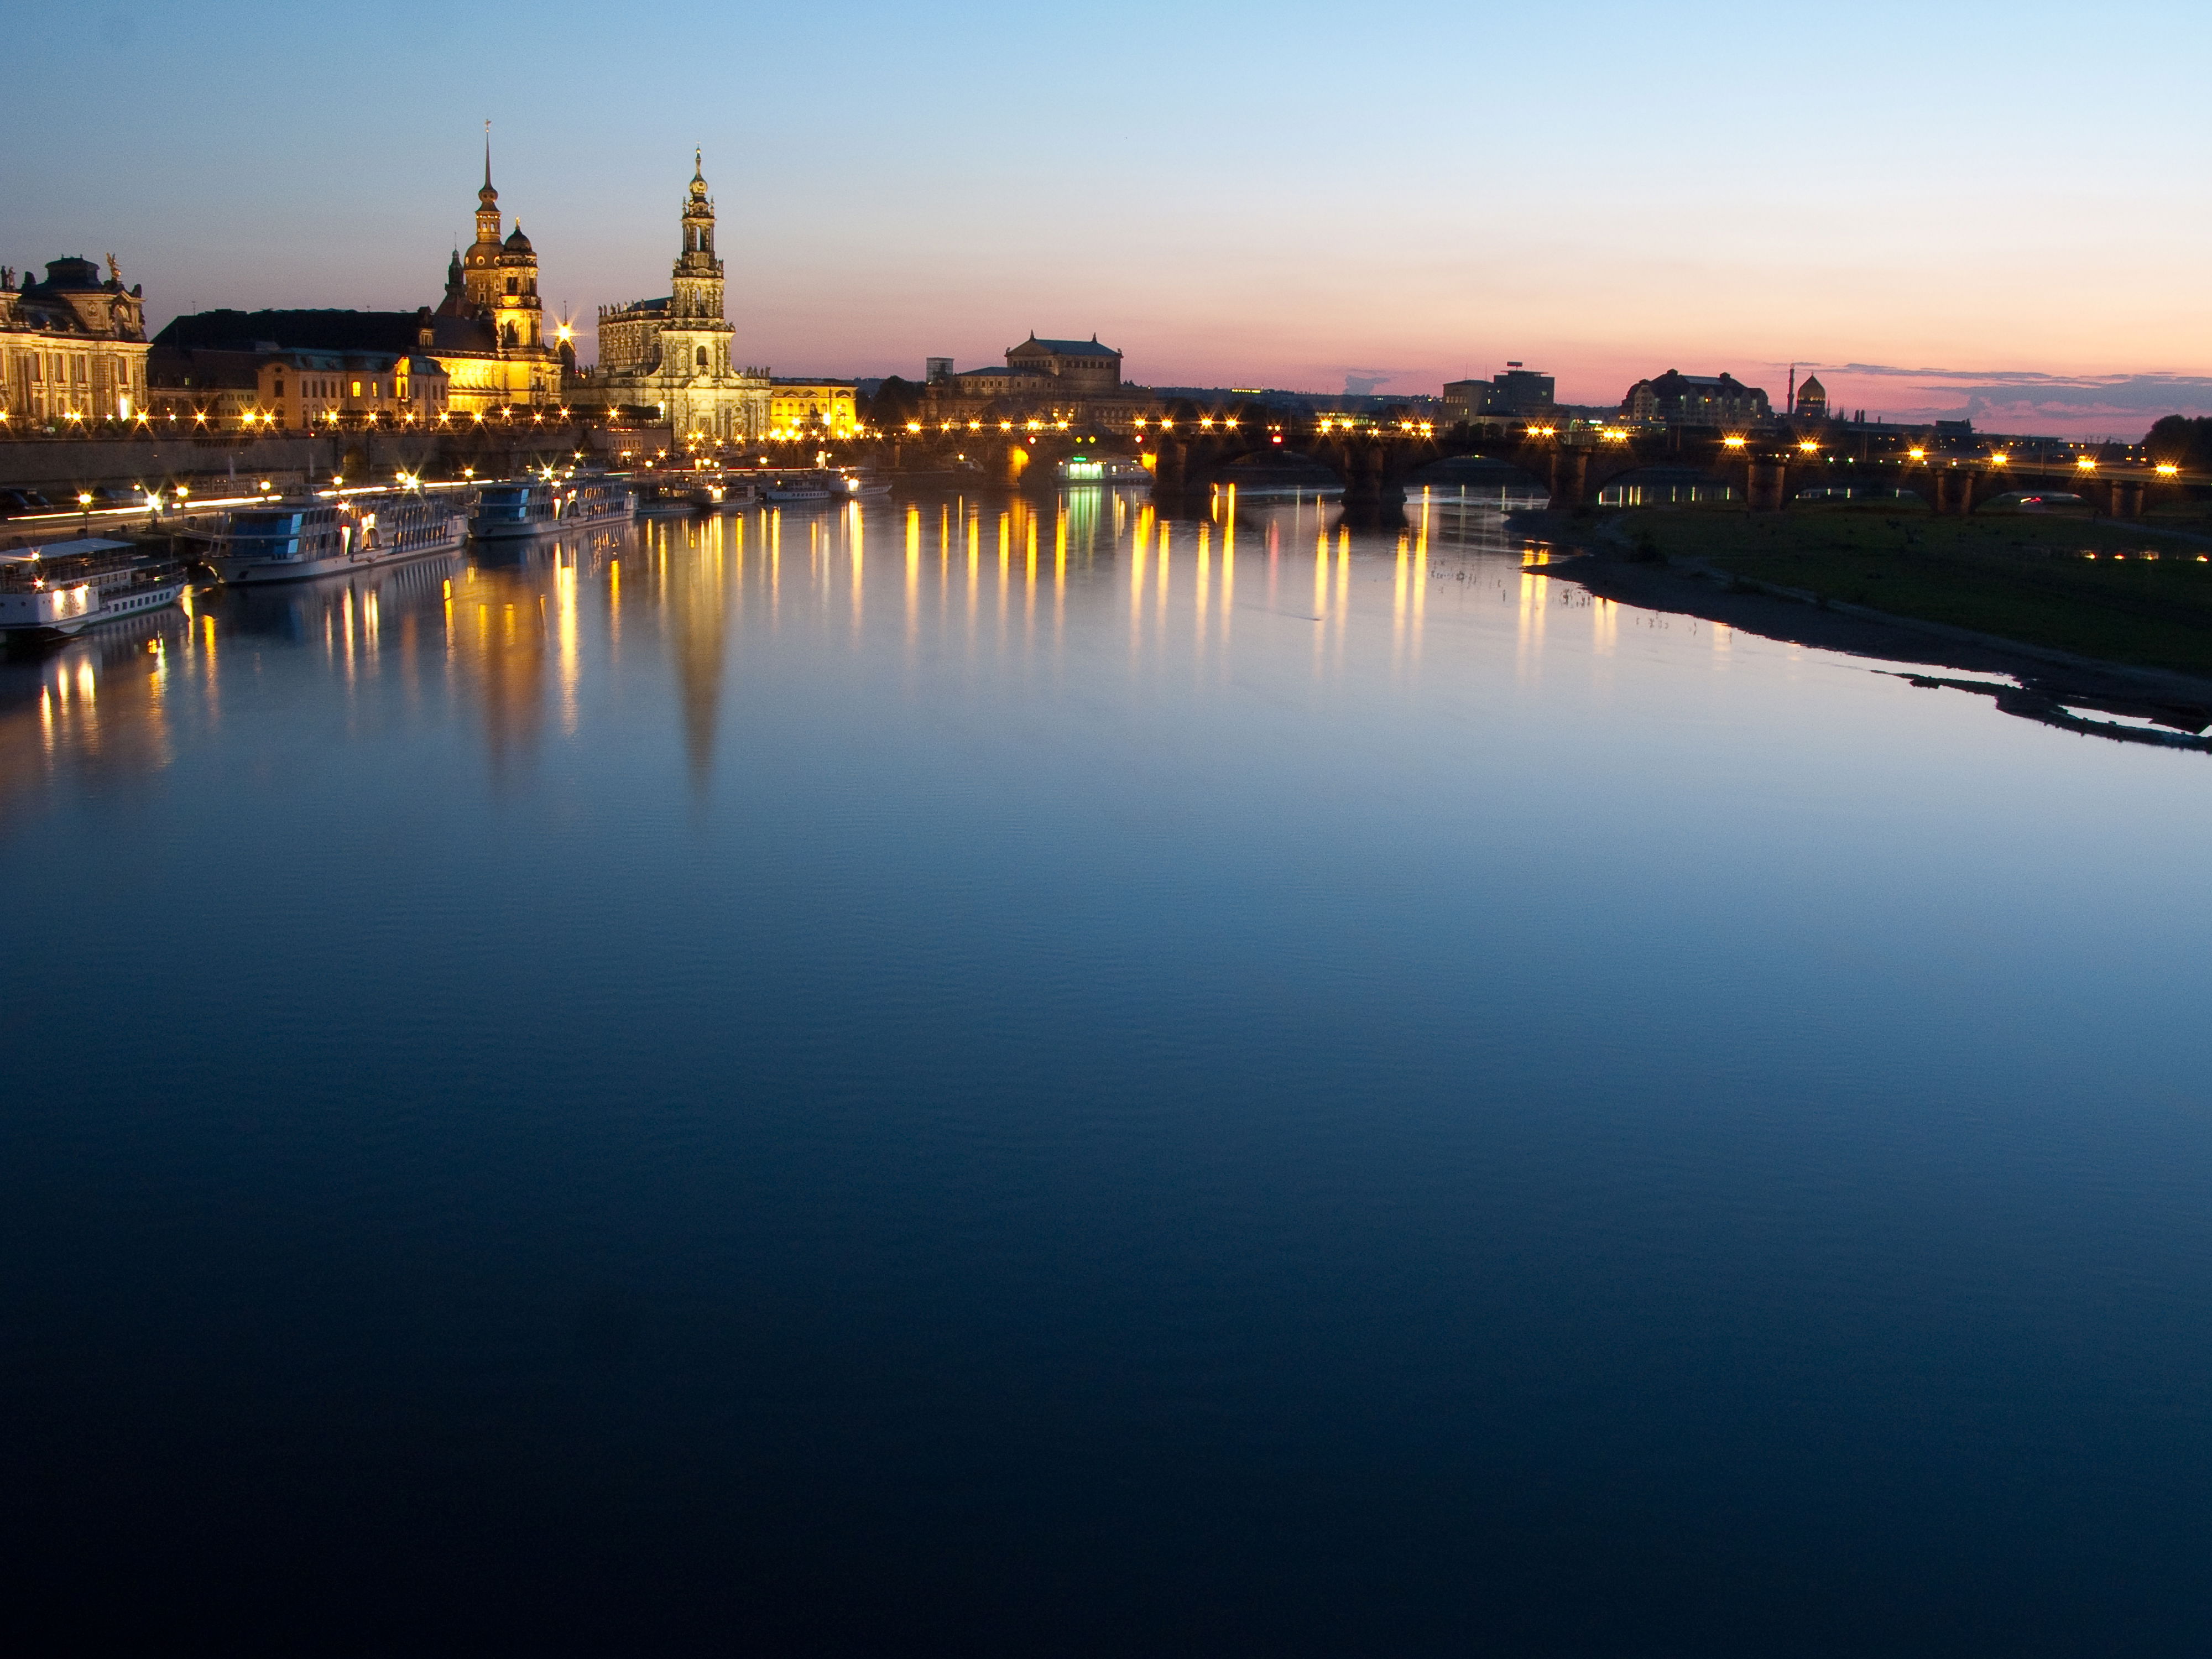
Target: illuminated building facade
[72,348]
[294,390]
[667,361]
[481,351]
[488,332]
[799,407]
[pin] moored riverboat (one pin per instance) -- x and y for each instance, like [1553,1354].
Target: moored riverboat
[528,507]
[581,503]
[291,540]
[520,507]
[803,489]
[1102,469]
[57,589]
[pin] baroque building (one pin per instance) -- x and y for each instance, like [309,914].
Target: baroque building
[1078,380]
[668,360]
[488,331]
[72,348]
[483,348]
[813,409]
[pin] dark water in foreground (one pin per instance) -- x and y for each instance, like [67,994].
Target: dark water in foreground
[1006,1084]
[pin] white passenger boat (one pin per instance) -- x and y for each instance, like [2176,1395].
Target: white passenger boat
[807,489]
[528,507]
[581,503]
[288,541]
[520,507]
[721,493]
[56,589]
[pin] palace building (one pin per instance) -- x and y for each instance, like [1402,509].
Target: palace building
[668,360]
[481,351]
[72,348]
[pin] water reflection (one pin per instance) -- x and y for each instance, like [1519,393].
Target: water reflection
[517,636]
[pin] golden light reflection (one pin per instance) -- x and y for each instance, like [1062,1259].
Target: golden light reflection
[1529,636]
[1399,581]
[1204,583]
[913,575]
[570,657]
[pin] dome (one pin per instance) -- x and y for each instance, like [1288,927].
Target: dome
[1811,387]
[516,241]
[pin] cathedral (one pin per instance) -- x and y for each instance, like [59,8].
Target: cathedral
[668,360]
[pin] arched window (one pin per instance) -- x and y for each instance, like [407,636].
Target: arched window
[702,357]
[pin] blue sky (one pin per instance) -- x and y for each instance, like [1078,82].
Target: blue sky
[1998,201]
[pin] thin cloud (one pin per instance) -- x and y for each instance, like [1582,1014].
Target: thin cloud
[2082,394]
[2019,400]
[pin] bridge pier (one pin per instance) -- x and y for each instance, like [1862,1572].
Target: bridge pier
[2125,497]
[1766,486]
[1371,490]
[1569,480]
[1954,494]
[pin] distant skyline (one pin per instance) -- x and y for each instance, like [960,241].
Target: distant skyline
[1980,209]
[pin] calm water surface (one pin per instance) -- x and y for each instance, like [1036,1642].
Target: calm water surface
[1036,1078]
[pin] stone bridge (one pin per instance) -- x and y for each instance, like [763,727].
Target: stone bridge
[1189,453]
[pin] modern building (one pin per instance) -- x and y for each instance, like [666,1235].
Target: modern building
[1514,391]
[72,348]
[1695,400]
[799,407]
[668,360]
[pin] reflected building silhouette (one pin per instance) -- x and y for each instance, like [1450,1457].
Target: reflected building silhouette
[498,630]
[697,616]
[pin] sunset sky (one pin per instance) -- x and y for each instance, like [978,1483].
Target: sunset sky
[1954,208]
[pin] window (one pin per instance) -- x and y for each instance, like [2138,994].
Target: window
[511,286]
[357,388]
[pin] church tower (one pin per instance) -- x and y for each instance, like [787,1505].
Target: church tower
[501,278]
[694,342]
[698,277]
[481,264]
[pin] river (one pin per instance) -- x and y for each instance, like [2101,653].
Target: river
[1026,1076]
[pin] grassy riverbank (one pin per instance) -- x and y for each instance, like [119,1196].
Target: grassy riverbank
[2116,592]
